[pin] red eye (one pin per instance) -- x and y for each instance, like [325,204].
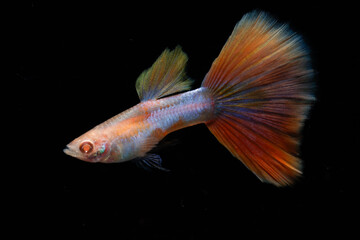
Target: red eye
[86,147]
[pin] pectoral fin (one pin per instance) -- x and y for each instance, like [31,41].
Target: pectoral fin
[151,162]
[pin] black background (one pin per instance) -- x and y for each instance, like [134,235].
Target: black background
[75,65]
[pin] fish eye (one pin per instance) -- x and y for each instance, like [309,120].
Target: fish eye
[86,147]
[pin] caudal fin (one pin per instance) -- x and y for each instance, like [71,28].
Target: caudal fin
[262,86]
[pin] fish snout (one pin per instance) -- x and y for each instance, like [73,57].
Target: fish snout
[68,150]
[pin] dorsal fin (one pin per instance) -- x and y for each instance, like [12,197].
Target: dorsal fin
[166,76]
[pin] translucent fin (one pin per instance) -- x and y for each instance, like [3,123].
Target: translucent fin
[151,162]
[262,86]
[166,76]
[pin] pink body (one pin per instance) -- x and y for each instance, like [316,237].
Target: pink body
[137,130]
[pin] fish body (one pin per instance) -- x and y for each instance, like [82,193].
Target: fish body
[136,131]
[254,100]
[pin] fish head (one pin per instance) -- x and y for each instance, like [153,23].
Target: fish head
[90,148]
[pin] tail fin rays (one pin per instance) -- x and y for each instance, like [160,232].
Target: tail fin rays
[261,84]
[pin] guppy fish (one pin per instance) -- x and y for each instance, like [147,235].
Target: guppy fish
[254,100]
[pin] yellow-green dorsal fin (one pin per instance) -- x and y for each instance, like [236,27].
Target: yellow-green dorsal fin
[166,76]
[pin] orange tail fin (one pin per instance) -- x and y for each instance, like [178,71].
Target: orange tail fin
[262,86]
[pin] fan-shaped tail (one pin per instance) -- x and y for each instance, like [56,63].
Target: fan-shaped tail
[262,86]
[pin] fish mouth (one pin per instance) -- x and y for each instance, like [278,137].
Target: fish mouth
[73,152]
[69,151]
[66,150]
